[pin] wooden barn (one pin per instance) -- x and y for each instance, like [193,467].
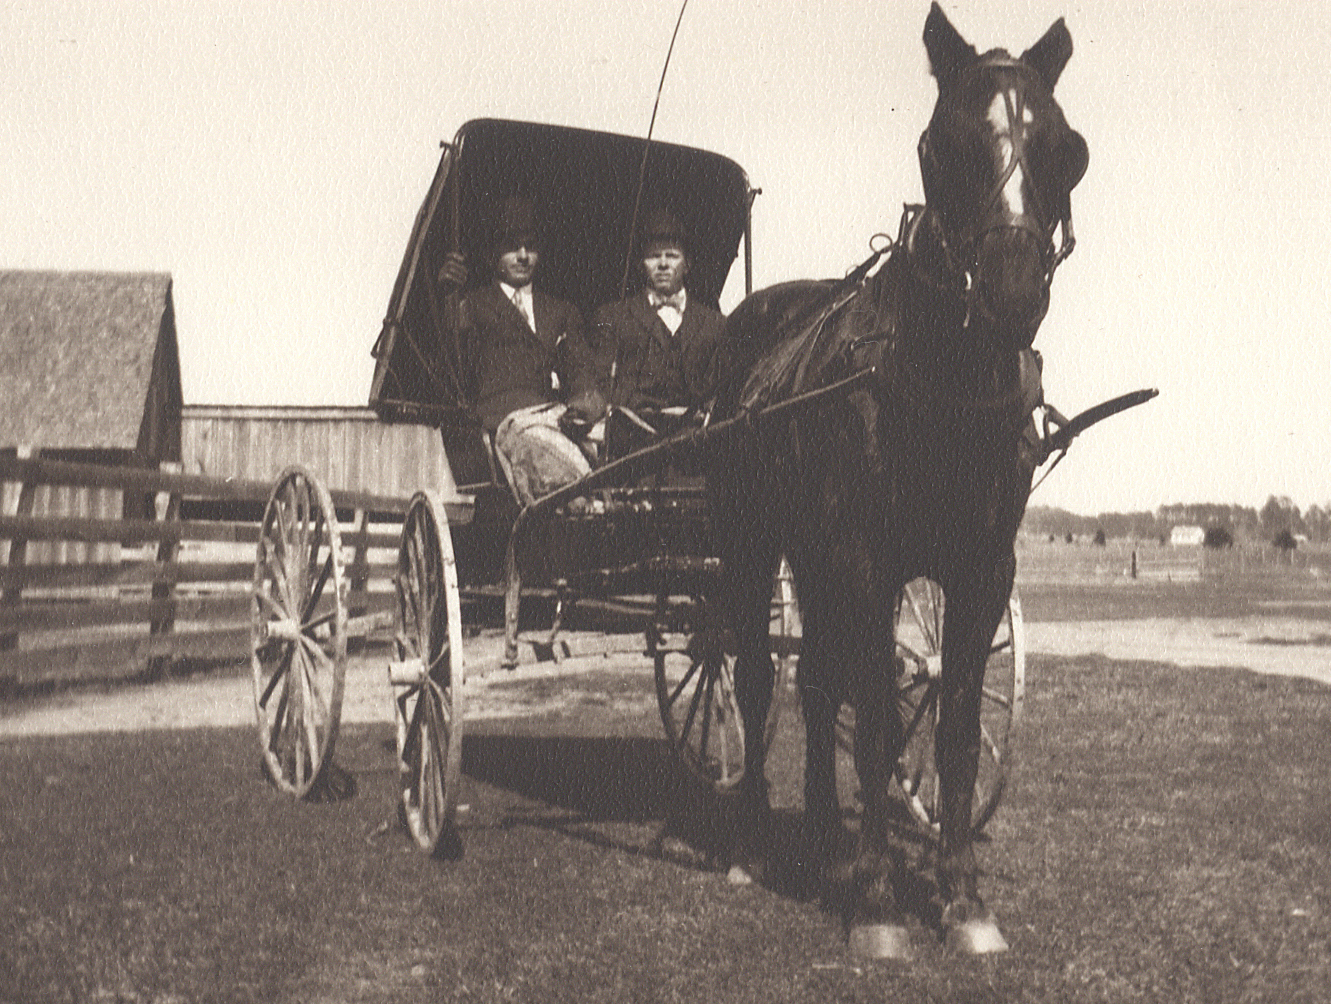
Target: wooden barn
[89,372]
[89,366]
[345,447]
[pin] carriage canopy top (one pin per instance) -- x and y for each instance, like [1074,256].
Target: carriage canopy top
[583,185]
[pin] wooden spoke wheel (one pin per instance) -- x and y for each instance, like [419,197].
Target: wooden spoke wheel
[298,632]
[427,676]
[919,637]
[920,613]
[695,687]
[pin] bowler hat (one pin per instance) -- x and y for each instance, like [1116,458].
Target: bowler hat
[663,225]
[515,225]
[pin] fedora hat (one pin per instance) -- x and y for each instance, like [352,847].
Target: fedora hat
[663,225]
[515,225]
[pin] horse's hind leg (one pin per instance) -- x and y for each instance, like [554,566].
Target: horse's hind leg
[974,609]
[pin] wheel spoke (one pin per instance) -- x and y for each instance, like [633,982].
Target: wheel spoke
[312,713]
[405,632]
[274,562]
[271,606]
[929,700]
[320,657]
[694,666]
[301,499]
[278,675]
[694,701]
[285,530]
[411,749]
[440,704]
[709,681]
[910,653]
[927,628]
[312,544]
[277,723]
[317,592]
[989,745]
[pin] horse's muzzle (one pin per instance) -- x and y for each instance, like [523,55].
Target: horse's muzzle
[1011,288]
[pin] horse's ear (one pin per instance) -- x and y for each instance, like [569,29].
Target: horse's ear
[1048,56]
[948,51]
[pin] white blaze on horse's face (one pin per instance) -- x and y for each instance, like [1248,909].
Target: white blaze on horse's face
[997,115]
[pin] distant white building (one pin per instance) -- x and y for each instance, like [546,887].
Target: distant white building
[1186,536]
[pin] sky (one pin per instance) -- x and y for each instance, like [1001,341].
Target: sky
[272,157]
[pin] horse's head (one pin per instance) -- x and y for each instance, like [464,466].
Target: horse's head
[999,163]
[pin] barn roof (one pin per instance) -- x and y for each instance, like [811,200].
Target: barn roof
[77,352]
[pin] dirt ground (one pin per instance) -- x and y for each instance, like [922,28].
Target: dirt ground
[1283,646]
[1165,836]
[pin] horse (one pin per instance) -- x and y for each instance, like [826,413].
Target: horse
[922,470]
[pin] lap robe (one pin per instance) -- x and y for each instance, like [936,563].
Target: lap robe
[536,456]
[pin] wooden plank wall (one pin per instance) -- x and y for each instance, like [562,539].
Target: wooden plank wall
[132,596]
[346,447]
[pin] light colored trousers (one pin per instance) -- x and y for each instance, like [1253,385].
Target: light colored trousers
[536,456]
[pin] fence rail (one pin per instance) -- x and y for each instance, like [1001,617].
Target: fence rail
[144,593]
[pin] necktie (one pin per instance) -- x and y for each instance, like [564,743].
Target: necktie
[522,300]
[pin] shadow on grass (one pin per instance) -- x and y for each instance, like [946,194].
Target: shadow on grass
[588,782]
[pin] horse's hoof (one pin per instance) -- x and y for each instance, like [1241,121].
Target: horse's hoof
[743,875]
[739,875]
[882,941]
[979,936]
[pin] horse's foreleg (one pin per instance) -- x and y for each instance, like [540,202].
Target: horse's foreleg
[820,703]
[749,591]
[878,926]
[974,610]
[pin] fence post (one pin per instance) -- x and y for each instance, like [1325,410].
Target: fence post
[358,587]
[18,546]
[167,506]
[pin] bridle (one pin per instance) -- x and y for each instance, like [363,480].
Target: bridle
[961,249]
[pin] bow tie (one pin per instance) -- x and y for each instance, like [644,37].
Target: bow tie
[676,300]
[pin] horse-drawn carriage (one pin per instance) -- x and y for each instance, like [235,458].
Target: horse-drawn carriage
[878,431]
[639,543]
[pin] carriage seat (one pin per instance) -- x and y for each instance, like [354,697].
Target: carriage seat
[627,429]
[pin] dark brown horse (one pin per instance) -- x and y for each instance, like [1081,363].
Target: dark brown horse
[924,471]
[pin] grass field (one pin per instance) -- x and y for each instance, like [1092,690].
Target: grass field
[1167,838]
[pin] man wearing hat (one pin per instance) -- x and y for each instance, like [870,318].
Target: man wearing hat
[534,370]
[658,346]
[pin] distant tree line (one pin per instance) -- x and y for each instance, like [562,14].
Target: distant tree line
[1279,515]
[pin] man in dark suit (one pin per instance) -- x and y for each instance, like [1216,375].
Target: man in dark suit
[658,346]
[534,370]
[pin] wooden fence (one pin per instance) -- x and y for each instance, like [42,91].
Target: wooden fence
[141,594]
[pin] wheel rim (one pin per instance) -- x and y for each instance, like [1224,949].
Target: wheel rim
[427,676]
[695,687]
[298,632]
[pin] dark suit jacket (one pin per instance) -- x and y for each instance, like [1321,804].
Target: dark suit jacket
[657,369]
[512,363]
